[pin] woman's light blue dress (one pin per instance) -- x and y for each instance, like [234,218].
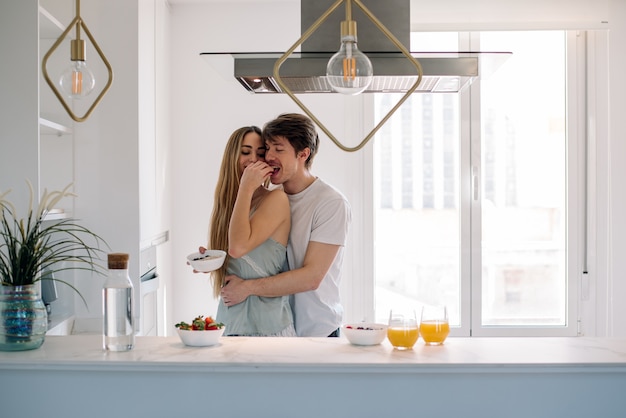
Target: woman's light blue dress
[258,316]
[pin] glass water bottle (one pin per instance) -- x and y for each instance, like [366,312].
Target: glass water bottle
[117,304]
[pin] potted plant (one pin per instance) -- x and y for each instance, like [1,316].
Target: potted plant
[29,246]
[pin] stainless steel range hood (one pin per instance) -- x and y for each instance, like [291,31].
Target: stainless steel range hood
[305,71]
[393,73]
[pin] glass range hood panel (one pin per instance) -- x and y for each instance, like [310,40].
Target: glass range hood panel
[444,72]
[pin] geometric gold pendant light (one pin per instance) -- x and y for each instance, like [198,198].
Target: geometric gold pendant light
[345,69]
[77,81]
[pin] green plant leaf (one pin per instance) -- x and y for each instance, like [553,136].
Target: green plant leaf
[30,245]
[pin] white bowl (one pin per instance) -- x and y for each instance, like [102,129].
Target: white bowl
[200,338]
[365,333]
[209,261]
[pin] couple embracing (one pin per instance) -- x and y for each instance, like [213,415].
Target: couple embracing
[285,244]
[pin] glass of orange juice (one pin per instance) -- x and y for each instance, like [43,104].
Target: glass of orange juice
[403,330]
[434,325]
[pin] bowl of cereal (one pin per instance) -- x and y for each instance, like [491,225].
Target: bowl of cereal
[365,333]
[208,261]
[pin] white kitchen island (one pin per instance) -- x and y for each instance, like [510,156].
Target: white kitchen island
[70,376]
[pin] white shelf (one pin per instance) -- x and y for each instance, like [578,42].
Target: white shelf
[55,215]
[49,26]
[49,127]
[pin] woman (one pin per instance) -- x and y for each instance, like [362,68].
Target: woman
[252,224]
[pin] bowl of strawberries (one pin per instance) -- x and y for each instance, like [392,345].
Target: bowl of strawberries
[202,332]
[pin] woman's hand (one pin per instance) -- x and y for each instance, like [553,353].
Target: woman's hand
[254,175]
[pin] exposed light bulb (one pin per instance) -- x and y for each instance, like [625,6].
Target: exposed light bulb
[77,80]
[349,71]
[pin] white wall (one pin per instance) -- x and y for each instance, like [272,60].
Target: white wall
[19,137]
[509,14]
[207,108]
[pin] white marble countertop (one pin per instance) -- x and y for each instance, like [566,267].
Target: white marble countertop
[313,377]
[84,352]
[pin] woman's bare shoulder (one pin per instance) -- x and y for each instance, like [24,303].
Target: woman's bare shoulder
[273,201]
[277,196]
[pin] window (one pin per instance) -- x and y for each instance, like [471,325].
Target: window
[473,212]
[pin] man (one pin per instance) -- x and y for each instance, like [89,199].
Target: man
[320,217]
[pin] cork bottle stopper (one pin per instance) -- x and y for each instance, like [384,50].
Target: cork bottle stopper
[118,261]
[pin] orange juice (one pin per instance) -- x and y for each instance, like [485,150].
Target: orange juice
[402,338]
[434,332]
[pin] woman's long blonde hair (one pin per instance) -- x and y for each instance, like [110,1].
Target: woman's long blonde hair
[225,196]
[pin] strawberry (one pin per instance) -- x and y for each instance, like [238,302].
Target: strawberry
[200,323]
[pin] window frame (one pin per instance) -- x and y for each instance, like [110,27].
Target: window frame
[576,175]
[470,129]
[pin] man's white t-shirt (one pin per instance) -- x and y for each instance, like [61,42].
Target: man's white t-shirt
[322,214]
